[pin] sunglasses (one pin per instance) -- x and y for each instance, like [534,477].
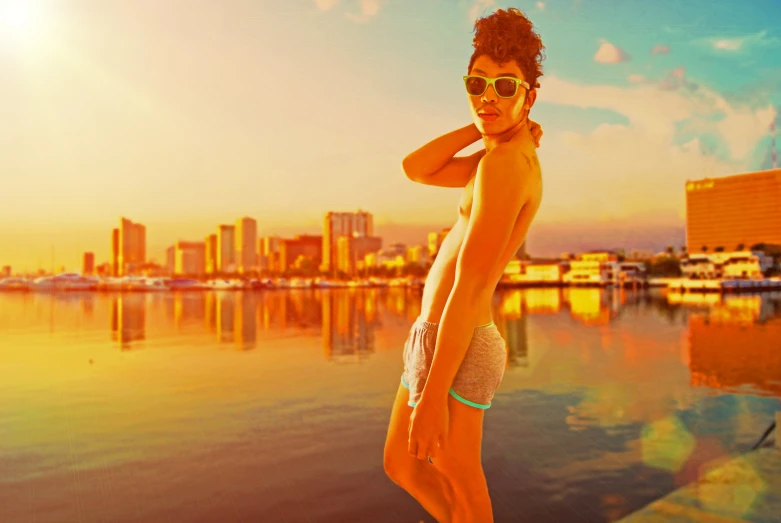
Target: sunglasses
[505,86]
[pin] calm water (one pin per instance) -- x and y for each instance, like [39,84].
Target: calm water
[223,407]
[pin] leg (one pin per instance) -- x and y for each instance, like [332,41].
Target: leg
[460,463]
[421,480]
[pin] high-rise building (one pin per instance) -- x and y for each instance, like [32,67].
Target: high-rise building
[269,250]
[733,211]
[190,259]
[352,251]
[88,266]
[338,224]
[115,252]
[211,253]
[246,240]
[226,248]
[302,246]
[170,259]
[5,272]
[132,247]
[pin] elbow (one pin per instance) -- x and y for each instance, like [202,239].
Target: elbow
[408,168]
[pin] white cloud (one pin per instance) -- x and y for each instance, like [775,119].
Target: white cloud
[660,49]
[637,78]
[479,7]
[368,9]
[741,43]
[541,6]
[325,5]
[637,171]
[610,54]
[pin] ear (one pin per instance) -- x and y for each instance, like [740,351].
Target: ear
[531,97]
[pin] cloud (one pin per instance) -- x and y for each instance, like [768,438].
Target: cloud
[479,7]
[610,54]
[741,43]
[676,79]
[325,5]
[660,49]
[541,6]
[637,78]
[635,173]
[369,8]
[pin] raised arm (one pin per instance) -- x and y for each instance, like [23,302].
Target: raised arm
[436,162]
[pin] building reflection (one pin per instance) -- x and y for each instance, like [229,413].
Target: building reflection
[592,306]
[188,308]
[128,319]
[510,317]
[349,321]
[737,344]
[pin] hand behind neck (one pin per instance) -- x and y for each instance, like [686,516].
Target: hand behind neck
[519,130]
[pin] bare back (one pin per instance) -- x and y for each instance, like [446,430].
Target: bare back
[441,276]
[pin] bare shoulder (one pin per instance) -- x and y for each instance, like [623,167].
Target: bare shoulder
[510,169]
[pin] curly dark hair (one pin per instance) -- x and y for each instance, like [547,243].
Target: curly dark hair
[508,35]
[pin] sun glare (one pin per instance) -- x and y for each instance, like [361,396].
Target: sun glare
[19,20]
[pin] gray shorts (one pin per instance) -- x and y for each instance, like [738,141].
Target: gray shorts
[477,378]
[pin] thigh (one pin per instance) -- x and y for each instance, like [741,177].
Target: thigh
[398,427]
[461,457]
[399,464]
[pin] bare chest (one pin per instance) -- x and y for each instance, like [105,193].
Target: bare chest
[467,196]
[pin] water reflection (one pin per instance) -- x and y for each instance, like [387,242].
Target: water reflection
[610,397]
[128,320]
[728,342]
[736,344]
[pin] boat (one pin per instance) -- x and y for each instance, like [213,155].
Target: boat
[224,285]
[14,284]
[185,284]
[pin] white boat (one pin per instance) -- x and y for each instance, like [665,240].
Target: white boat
[185,284]
[14,284]
[79,283]
[46,284]
[153,284]
[111,284]
[224,285]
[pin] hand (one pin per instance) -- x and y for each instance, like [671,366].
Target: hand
[536,132]
[428,429]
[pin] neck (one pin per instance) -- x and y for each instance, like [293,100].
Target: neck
[491,141]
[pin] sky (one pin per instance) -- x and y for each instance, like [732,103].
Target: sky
[186,114]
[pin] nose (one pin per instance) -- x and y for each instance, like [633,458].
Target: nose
[489,96]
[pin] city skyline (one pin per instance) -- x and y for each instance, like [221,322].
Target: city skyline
[182,129]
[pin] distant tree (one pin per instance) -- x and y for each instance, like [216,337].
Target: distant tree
[670,250]
[719,249]
[740,246]
[683,249]
[663,267]
[704,248]
[758,247]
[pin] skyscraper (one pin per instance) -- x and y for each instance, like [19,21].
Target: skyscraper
[246,242]
[338,224]
[131,248]
[731,211]
[226,248]
[88,266]
[211,253]
[115,252]
[189,259]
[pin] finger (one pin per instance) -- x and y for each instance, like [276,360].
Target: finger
[412,447]
[423,452]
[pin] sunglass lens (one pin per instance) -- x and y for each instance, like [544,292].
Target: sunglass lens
[505,87]
[475,86]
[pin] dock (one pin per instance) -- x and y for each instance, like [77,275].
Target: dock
[744,489]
